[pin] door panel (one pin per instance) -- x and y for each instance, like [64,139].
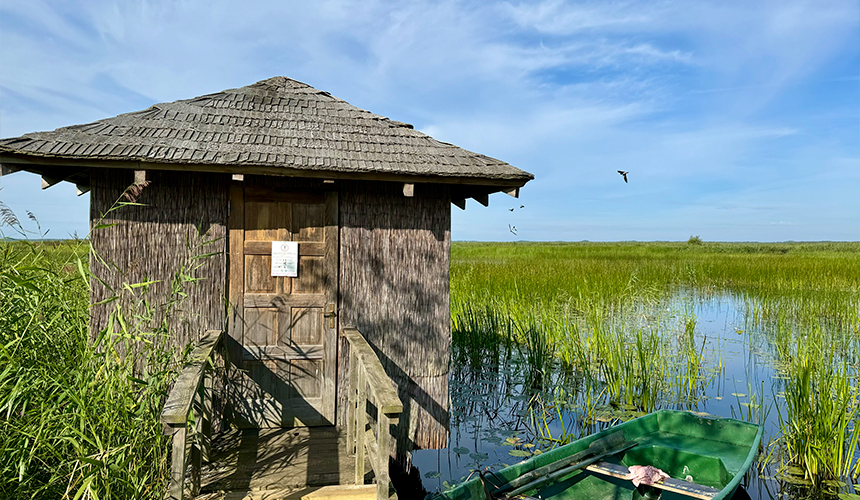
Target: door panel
[282,325]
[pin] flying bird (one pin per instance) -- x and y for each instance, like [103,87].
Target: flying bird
[511,209]
[512,229]
[623,174]
[522,206]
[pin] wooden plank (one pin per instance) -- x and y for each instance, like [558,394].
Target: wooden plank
[383,436]
[409,190]
[312,275]
[263,459]
[372,451]
[236,269]
[264,194]
[22,161]
[282,301]
[185,388]
[331,273]
[344,492]
[309,221]
[306,326]
[360,423]
[483,199]
[459,203]
[176,485]
[282,352]
[81,189]
[265,248]
[381,387]
[352,397]
[8,169]
[48,181]
[685,488]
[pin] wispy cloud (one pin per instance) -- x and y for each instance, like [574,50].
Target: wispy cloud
[709,104]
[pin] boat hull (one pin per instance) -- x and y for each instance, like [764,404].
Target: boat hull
[711,452]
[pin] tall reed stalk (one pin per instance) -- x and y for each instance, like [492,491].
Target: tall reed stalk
[79,417]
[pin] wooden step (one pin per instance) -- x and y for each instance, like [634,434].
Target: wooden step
[334,492]
[344,491]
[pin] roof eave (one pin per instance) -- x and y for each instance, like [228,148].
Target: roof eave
[54,169]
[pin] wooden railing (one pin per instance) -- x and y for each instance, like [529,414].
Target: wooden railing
[192,392]
[368,382]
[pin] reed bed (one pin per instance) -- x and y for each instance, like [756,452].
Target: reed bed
[607,315]
[80,410]
[77,419]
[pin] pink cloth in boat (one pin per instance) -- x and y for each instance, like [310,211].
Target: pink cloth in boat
[645,474]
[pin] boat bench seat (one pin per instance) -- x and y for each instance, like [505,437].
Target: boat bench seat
[685,488]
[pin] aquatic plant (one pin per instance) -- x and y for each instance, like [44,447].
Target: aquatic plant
[819,421]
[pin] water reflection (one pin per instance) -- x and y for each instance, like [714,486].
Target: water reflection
[502,411]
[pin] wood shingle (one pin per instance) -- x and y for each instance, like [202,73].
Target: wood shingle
[255,128]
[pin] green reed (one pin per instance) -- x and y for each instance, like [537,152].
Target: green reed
[821,413]
[602,309]
[80,416]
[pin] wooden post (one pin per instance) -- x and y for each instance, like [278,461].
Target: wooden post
[353,396]
[360,424]
[176,488]
[195,466]
[383,437]
[206,420]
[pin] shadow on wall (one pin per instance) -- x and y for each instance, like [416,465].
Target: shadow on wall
[179,218]
[394,288]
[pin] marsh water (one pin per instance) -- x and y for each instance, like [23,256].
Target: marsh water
[501,413]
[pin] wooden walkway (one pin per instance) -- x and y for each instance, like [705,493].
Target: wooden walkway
[308,463]
[278,459]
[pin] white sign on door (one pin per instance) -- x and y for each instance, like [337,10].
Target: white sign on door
[285,258]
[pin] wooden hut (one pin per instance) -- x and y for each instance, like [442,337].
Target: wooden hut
[217,178]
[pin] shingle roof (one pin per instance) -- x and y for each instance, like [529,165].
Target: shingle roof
[277,122]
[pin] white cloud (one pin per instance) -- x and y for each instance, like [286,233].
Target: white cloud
[682,94]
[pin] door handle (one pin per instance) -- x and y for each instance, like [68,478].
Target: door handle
[331,314]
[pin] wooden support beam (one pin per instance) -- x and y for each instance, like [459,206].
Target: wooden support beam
[26,161]
[8,169]
[48,181]
[483,199]
[239,177]
[81,189]
[515,192]
[140,177]
[409,190]
[460,203]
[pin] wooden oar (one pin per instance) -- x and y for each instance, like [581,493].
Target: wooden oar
[597,446]
[558,473]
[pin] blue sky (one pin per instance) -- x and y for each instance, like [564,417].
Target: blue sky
[738,121]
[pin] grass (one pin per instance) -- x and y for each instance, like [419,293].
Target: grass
[600,310]
[819,422]
[76,419]
[80,416]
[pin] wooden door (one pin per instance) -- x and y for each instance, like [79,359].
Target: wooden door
[283,329]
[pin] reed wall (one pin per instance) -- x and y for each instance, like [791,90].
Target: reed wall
[394,287]
[176,227]
[394,274]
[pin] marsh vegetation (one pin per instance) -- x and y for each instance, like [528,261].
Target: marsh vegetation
[551,342]
[555,341]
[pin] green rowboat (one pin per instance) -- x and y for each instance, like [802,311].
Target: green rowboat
[704,457]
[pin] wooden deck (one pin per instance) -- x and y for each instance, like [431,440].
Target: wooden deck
[309,463]
[272,462]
